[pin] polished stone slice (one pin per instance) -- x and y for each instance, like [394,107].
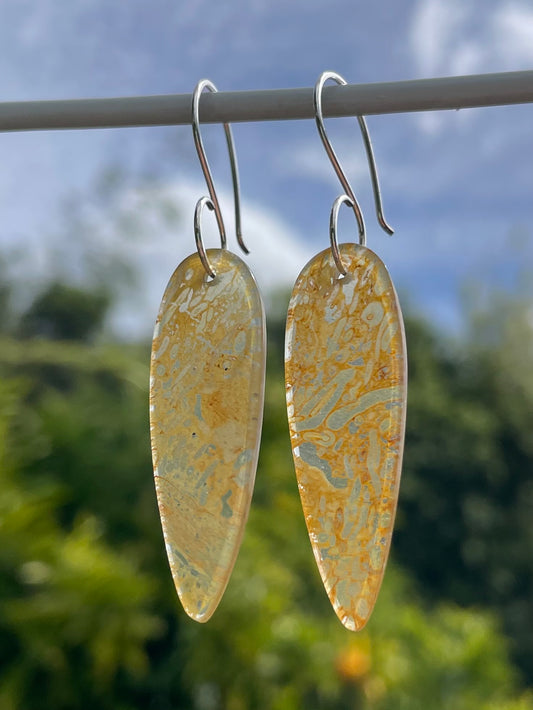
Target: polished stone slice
[346,383]
[206,408]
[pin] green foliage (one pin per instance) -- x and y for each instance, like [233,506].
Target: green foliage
[5,297]
[74,613]
[280,654]
[64,312]
[88,613]
[467,473]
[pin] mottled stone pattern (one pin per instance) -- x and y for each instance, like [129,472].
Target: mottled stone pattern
[346,381]
[206,408]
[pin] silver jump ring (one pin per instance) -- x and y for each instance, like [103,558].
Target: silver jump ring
[333,219]
[204,202]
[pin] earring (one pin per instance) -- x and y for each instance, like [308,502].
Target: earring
[207,380]
[346,384]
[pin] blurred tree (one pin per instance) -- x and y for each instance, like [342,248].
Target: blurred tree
[5,298]
[466,503]
[74,614]
[77,617]
[64,312]
[88,614]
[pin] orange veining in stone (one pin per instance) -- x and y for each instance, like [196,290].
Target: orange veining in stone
[206,407]
[346,383]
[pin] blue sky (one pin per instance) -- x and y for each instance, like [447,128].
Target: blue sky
[457,186]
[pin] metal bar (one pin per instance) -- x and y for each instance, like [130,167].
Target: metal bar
[271,105]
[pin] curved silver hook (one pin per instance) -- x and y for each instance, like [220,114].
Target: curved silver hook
[333,219]
[204,202]
[206,84]
[317,97]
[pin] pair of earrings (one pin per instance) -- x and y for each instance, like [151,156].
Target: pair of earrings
[345,371]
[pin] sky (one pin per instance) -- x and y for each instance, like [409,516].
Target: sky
[457,185]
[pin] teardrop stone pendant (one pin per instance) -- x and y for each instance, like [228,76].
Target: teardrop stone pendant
[346,382]
[206,409]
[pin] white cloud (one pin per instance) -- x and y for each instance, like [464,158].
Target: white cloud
[277,254]
[433,31]
[310,159]
[150,230]
[452,38]
[430,123]
[511,27]
[467,58]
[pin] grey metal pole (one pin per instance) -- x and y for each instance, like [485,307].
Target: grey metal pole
[271,105]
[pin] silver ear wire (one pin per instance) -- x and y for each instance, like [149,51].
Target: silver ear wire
[213,203]
[317,98]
